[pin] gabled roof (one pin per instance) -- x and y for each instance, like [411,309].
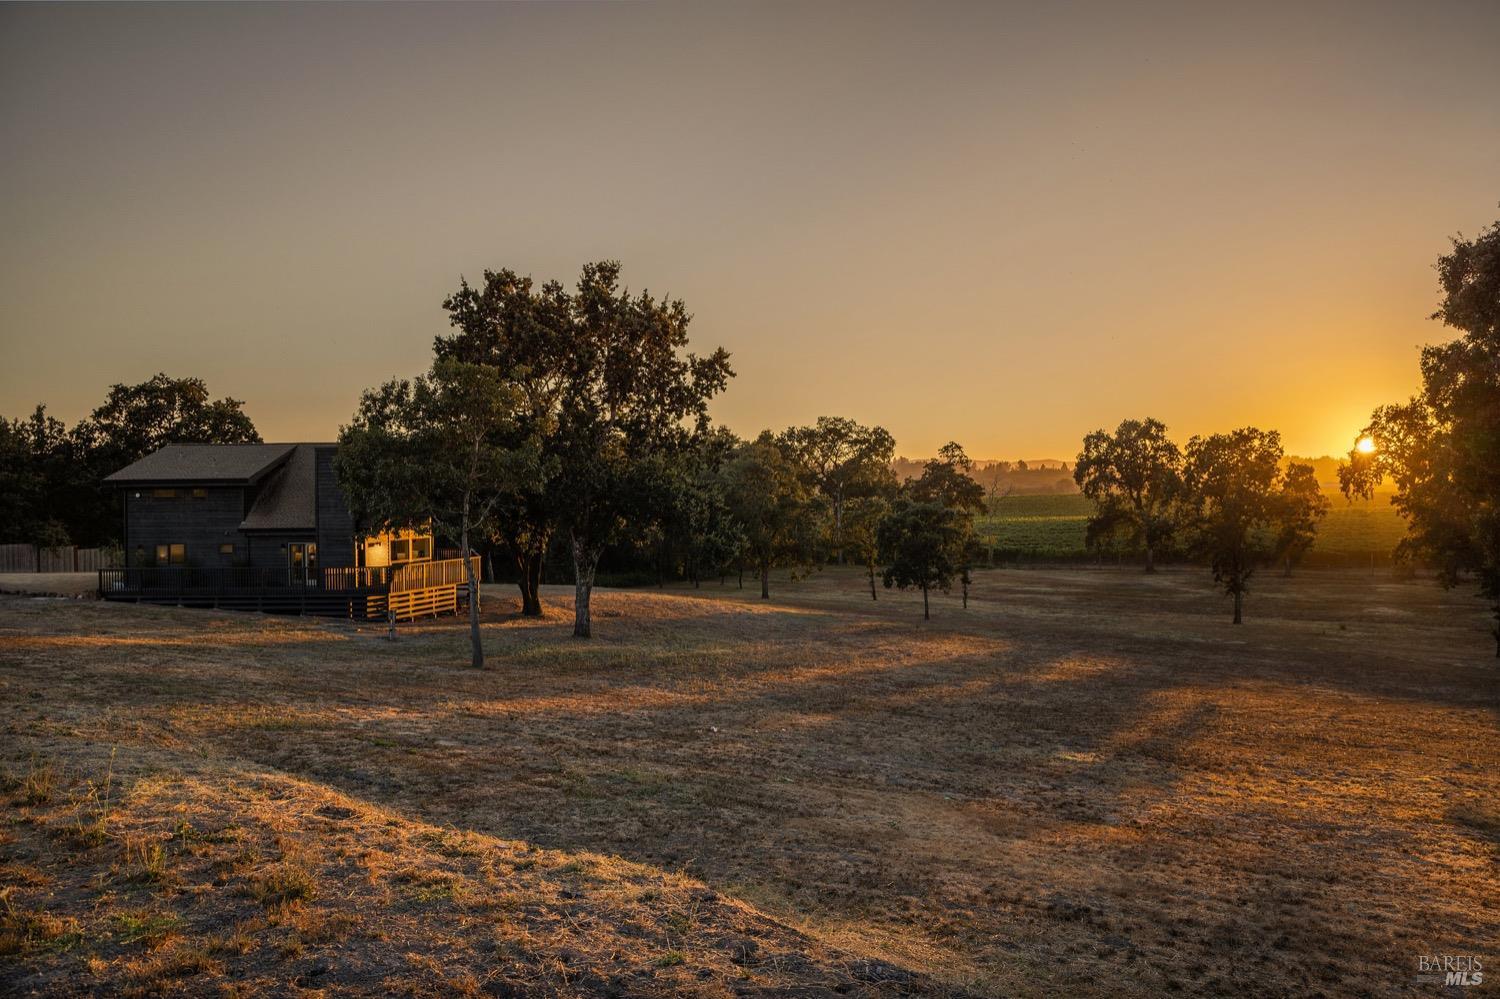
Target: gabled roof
[186,464]
[288,500]
[286,474]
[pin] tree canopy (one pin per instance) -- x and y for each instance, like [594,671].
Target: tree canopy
[524,332]
[773,506]
[843,461]
[1441,448]
[948,481]
[1239,501]
[1134,477]
[922,543]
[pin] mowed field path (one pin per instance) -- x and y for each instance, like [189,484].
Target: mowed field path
[1087,782]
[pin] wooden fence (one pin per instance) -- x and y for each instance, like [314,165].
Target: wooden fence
[31,558]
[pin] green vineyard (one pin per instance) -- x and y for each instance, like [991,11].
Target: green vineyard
[1053,527]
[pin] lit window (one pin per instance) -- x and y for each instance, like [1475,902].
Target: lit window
[164,493]
[171,554]
[226,549]
[199,493]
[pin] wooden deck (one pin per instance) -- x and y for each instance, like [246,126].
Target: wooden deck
[405,592]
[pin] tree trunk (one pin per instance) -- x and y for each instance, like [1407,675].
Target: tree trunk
[872,583]
[966,592]
[838,527]
[585,562]
[742,574]
[528,577]
[765,580]
[531,604]
[1239,599]
[1150,559]
[926,610]
[476,658]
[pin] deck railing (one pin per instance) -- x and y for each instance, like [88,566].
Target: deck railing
[425,575]
[253,579]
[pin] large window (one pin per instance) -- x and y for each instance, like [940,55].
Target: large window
[171,554]
[164,493]
[397,548]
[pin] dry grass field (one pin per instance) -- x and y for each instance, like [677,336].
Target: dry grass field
[1087,783]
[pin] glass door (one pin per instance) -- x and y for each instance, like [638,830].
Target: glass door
[303,559]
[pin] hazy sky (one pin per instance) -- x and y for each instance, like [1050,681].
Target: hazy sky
[1004,224]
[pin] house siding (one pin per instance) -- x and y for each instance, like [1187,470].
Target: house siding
[268,549]
[335,524]
[201,524]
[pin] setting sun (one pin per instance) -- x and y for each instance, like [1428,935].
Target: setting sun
[1366,445]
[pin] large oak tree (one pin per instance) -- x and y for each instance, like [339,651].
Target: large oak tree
[632,395]
[1441,449]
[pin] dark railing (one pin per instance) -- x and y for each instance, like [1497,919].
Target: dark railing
[175,579]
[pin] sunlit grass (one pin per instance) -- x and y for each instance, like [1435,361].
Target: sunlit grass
[1084,772]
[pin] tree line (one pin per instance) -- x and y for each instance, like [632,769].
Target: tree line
[51,490]
[578,419]
[1228,499]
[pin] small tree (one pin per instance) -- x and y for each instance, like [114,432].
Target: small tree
[1232,483]
[862,520]
[923,546]
[1442,448]
[426,452]
[1301,506]
[1134,477]
[771,505]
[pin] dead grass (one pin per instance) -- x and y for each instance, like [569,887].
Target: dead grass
[1086,783]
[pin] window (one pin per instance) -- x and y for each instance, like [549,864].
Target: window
[164,493]
[396,547]
[171,554]
[200,493]
[226,549]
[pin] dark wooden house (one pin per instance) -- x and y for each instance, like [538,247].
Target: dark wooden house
[265,526]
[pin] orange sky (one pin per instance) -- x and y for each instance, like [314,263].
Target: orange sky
[1004,225]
